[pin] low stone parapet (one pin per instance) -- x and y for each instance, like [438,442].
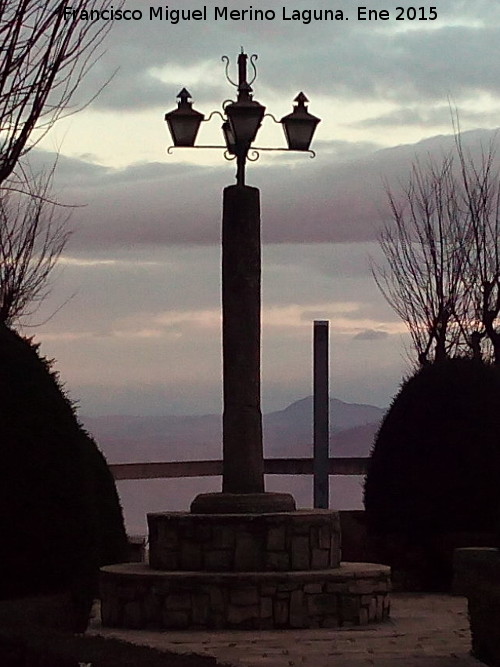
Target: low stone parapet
[280,542]
[136,596]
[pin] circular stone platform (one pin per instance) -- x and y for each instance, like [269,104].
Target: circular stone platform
[285,541]
[136,596]
[243,503]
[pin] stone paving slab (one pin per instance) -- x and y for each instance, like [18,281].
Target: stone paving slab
[424,631]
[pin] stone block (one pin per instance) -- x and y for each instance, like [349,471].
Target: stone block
[335,552]
[338,587]
[330,622]
[325,537]
[322,604]
[200,609]
[249,553]
[386,603]
[223,537]
[287,587]
[244,596]
[276,538]
[152,607]
[203,533]
[313,588]
[277,561]
[297,610]
[375,609]
[191,556]
[266,607]
[176,620]
[300,553]
[349,609]
[170,539]
[218,561]
[364,586]
[216,597]
[266,589]
[178,601]
[280,613]
[133,616]
[237,615]
[320,559]
[314,537]
[363,616]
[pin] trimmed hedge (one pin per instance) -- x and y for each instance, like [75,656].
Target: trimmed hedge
[60,517]
[435,466]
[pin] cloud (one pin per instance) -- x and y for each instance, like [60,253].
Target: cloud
[428,116]
[371,334]
[332,199]
[402,61]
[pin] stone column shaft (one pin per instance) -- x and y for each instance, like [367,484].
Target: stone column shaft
[243,465]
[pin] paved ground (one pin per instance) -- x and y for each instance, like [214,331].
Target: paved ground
[424,631]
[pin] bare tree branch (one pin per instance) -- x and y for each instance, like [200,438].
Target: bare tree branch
[44,55]
[426,252]
[33,233]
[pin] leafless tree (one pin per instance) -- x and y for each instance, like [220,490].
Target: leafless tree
[481,186]
[44,55]
[442,251]
[424,247]
[33,233]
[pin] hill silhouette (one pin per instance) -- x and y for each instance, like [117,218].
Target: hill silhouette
[288,432]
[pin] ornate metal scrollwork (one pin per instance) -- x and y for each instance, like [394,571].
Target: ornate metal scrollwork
[255,155]
[253,57]
[225,59]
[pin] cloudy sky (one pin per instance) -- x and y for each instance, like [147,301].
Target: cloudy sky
[139,331]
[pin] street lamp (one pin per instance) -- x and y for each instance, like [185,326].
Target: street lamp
[243,461]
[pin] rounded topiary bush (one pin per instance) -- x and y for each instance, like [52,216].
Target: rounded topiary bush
[60,517]
[434,470]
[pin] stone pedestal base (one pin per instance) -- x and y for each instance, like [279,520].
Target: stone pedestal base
[285,541]
[248,571]
[135,596]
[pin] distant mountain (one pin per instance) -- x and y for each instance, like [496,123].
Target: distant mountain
[288,432]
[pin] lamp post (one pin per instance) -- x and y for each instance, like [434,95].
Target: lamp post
[243,460]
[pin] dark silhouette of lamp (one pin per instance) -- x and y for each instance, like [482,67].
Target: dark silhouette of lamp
[184,122]
[241,122]
[300,125]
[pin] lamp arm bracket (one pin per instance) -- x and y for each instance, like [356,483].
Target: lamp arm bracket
[170,149]
[311,153]
[255,150]
[226,60]
[229,156]
[213,113]
[270,115]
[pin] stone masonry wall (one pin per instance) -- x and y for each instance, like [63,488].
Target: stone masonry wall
[282,542]
[135,596]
